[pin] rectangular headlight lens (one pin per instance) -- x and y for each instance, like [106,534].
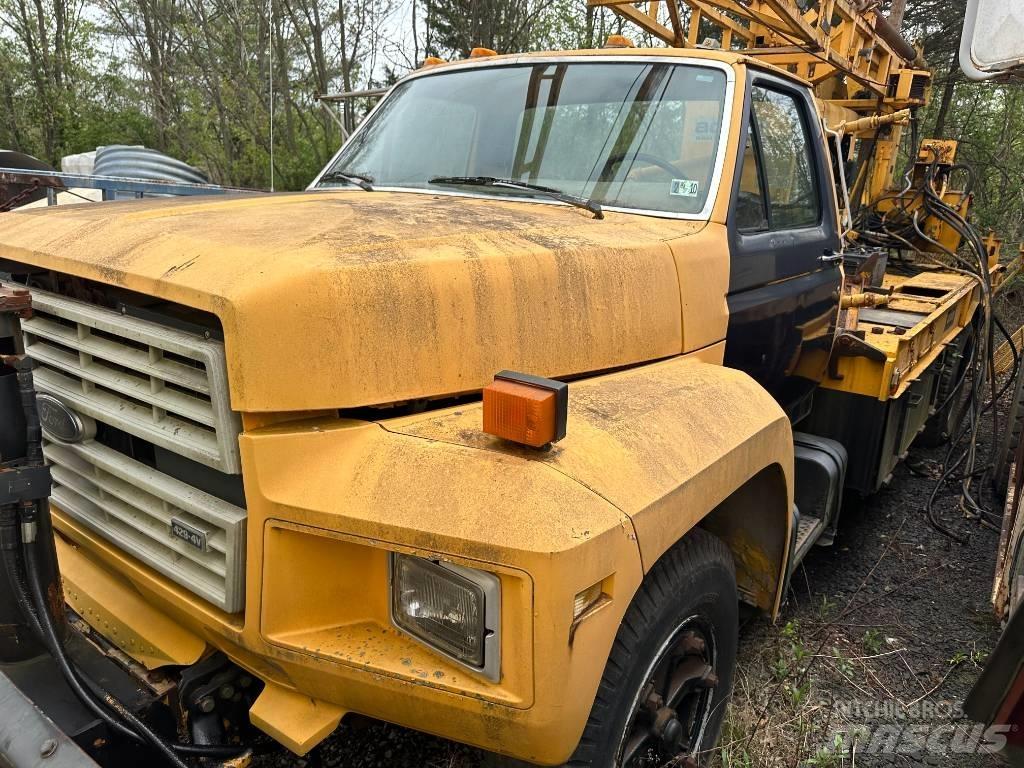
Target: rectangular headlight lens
[451,608]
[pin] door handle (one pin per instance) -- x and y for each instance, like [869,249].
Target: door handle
[830,257]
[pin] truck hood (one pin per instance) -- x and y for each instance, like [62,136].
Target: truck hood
[344,298]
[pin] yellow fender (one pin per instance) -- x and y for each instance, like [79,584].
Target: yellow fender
[671,445]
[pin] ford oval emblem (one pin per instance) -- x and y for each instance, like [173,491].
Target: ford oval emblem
[62,424]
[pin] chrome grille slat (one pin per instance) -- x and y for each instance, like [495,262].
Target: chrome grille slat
[114,508]
[170,371]
[173,434]
[130,505]
[168,399]
[157,383]
[164,386]
[68,465]
[196,579]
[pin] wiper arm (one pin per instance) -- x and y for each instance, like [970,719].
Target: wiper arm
[360,180]
[493,181]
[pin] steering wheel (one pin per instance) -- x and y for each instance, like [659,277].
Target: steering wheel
[674,171]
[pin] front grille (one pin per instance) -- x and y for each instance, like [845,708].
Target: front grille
[132,506]
[167,388]
[160,384]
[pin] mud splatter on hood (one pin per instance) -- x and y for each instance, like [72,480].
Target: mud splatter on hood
[339,298]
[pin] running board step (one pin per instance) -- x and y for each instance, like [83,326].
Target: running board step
[808,532]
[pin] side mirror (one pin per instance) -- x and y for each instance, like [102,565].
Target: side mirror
[993,39]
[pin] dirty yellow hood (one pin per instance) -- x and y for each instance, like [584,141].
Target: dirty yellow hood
[344,298]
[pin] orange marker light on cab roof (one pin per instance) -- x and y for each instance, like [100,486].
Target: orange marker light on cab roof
[526,409]
[618,41]
[480,53]
[433,61]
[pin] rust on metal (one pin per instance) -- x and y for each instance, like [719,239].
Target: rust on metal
[16,300]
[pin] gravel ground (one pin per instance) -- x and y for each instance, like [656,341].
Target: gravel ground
[883,635]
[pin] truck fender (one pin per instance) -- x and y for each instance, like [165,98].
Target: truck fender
[672,445]
[650,453]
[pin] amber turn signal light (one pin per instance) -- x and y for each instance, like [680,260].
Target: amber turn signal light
[618,41]
[526,409]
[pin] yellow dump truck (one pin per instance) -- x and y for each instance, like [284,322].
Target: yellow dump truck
[659,277]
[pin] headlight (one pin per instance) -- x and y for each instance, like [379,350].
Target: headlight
[453,609]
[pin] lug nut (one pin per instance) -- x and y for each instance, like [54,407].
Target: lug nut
[672,734]
[206,705]
[226,691]
[47,748]
[693,646]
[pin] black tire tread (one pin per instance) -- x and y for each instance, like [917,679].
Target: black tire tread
[671,575]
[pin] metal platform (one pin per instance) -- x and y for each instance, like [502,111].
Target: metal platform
[807,534]
[111,187]
[28,738]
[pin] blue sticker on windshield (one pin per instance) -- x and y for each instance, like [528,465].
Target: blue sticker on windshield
[684,188]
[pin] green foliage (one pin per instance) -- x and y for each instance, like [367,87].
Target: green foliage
[194,78]
[872,641]
[826,608]
[986,118]
[797,693]
[831,756]
[461,25]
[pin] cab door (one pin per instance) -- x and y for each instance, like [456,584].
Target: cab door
[785,272]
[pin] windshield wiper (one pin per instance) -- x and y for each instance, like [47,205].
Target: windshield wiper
[360,180]
[493,181]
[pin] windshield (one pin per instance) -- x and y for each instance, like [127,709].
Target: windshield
[627,135]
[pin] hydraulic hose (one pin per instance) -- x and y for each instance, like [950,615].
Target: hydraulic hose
[19,525]
[1015,355]
[99,701]
[10,553]
[33,601]
[137,728]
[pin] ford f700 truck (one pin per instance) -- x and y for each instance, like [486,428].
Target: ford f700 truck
[679,287]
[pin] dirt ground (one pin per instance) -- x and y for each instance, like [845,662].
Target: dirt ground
[882,637]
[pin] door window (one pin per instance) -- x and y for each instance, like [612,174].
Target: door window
[751,210]
[778,187]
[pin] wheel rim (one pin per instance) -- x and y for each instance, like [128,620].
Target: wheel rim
[671,710]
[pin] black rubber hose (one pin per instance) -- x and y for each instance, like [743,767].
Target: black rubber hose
[138,729]
[29,596]
[1015,353]
[33,602]
[132,728]
[10,553]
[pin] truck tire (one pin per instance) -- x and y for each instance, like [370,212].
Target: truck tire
[669,675]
